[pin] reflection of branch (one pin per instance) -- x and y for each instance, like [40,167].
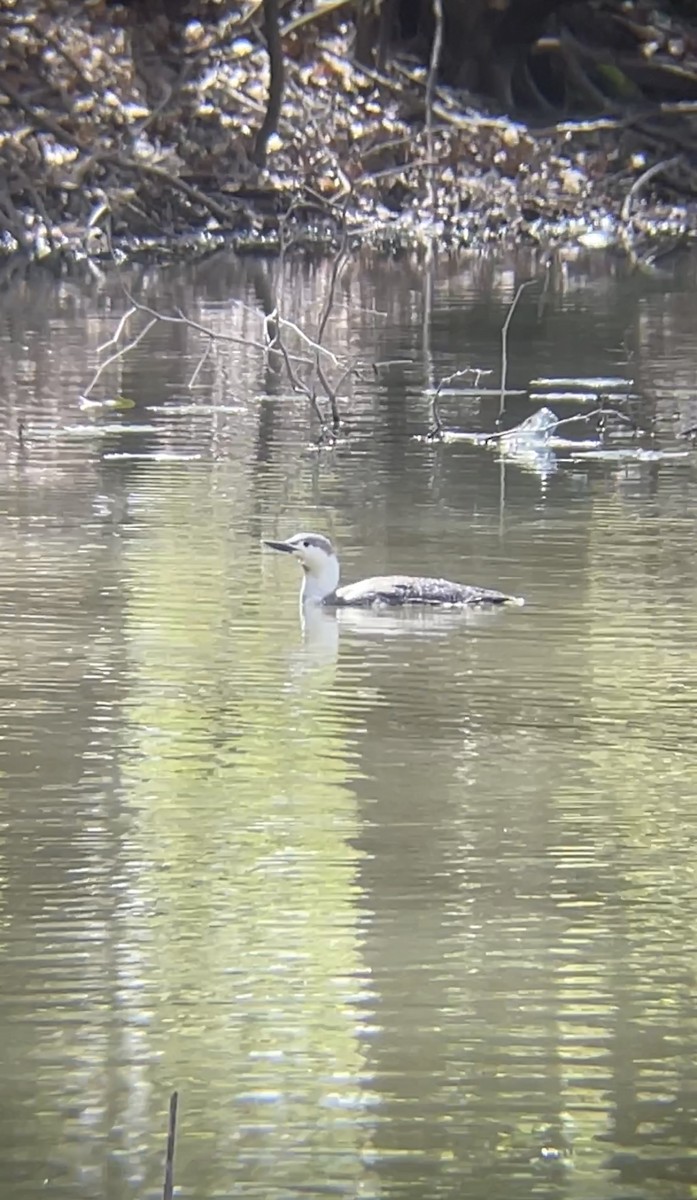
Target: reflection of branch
[504,341]
[321,10]
[307,386]
[168,1186]
[274,327]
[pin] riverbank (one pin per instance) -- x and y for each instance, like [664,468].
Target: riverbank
[109,142]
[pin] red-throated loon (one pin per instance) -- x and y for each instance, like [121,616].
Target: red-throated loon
[320,565]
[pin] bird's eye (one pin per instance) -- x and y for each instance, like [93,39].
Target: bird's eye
[306,545]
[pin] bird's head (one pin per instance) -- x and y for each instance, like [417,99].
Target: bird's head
[318,560]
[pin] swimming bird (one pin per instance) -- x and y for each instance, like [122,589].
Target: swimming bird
[320,565]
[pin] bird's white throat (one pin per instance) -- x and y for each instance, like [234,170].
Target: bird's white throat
[320,579]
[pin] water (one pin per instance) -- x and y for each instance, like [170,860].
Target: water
[405,907]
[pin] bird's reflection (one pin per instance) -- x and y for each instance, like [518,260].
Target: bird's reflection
[320,634]
[323,628]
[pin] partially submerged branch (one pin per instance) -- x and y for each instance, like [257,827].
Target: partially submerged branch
[307,375]
[504,341]
[437,425]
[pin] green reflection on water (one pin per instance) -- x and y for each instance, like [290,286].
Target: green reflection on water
[241,906]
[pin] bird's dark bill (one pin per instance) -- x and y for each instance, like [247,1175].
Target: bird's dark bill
[283,546]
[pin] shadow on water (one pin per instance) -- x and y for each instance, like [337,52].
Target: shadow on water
[402,904]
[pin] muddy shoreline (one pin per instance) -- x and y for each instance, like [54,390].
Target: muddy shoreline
[106,153]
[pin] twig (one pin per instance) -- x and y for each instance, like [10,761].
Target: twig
[119,329]
[298,384]
[168,1187]
[118,354]
[15,225]
[504,341]
[419,164]
[72,62]
[192,193]
[433,67]
[46,123]
[337,266]
[180,319]
[596,412]
[645,177]
[572,420]
[437,427]
[308,340]
[333,392]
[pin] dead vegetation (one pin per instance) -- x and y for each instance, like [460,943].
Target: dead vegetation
[210,129]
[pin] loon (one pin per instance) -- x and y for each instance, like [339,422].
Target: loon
[320,566]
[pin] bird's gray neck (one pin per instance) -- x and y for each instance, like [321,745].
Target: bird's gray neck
[320,584]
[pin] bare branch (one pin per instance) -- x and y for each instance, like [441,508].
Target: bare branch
[316,346]
[118,354]
[332,392]
[180,319]
[437,426]
[504,341]
[337,267]
[119,330]
[299,384]
[192,193]
[644,178]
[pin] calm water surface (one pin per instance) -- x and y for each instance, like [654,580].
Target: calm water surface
[403,906]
